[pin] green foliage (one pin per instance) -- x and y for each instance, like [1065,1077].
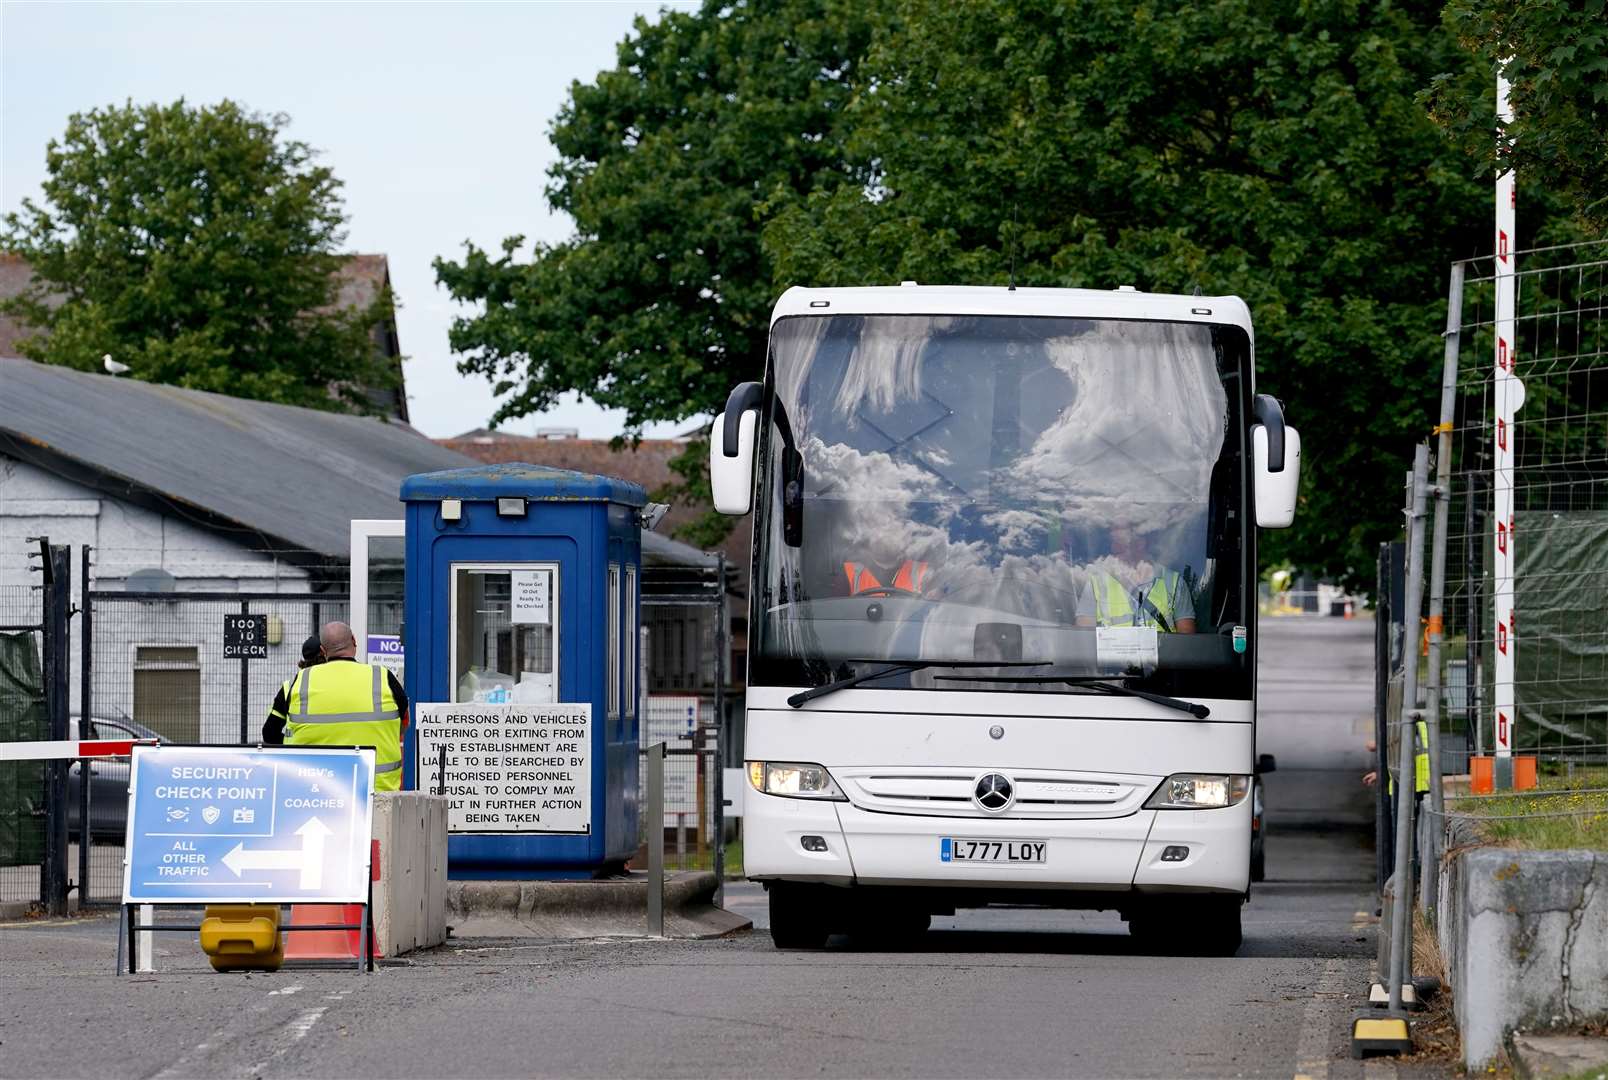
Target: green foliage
[198,247]
[1555,56]
[1271,150]
[662,300]
[691,488]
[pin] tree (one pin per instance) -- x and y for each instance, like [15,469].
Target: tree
[1554,54]
[661,301]
[197,246]
[1272,151]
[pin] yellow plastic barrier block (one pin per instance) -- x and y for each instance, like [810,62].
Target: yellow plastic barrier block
[243,937]
[1380,1035]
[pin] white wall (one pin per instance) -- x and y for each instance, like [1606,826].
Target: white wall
[125,538]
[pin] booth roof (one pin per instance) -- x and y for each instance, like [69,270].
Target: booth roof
[543,483]
[536,482]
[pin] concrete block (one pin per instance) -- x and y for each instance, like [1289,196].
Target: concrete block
[410,895]
[1545,1057]
[1525,936]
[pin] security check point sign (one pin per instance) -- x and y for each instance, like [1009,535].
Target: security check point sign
[510,768]
[215,824]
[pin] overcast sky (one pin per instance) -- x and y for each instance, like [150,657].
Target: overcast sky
[435,116]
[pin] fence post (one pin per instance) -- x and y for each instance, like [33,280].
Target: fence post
[1384,614]
[1437,570]
[719,756]
[57,664]
[245,686]
[656,840]
[86,648]
[1401,911]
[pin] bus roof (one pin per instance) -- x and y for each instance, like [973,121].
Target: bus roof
[913,299]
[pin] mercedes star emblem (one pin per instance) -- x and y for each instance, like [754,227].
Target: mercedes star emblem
[994,792]
[996,732]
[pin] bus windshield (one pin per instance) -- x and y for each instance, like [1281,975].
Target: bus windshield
[972,488]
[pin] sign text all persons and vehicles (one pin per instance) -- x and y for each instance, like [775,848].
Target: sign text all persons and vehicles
[511,768]
[236,824]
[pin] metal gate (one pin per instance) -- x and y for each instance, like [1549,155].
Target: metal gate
[161,664]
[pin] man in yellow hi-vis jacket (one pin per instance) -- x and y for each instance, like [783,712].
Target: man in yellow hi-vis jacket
[342,702]
[1154,596]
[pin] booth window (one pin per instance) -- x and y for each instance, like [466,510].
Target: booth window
[632,635]
[504,630]
[614,639]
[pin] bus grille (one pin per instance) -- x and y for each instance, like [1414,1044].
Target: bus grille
[1039,793]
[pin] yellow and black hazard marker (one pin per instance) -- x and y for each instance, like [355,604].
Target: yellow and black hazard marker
[1373,1032]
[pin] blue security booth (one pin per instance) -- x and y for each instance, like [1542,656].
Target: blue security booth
[522,600]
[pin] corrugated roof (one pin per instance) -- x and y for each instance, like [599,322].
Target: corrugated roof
[295,477]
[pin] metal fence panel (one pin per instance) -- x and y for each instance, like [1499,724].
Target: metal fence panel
[22,719]
[1558,526]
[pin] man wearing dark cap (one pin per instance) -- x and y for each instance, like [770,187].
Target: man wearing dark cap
[273,729]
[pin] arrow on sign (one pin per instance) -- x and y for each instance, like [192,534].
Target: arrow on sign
[309,860]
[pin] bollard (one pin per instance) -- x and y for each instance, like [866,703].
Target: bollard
[656,840]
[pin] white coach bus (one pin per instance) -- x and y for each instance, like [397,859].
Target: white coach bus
[1002,644]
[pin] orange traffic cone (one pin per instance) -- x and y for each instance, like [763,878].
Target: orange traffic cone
[331,944]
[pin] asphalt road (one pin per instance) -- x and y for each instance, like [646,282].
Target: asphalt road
[999,993]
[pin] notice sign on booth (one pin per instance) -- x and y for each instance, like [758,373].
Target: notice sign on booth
[235,825]
[386,651]
[510,768]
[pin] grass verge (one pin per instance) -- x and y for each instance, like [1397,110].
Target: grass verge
[1563,812]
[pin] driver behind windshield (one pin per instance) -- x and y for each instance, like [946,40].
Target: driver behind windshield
[1128,589]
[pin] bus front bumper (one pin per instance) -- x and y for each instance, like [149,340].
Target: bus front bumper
[1091,855]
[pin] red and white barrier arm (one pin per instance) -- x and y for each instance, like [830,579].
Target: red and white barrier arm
[70,748]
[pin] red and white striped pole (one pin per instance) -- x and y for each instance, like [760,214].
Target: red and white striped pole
[1509,392]
[58,749]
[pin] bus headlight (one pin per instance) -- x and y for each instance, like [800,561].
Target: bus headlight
[1198,791]
[794,779]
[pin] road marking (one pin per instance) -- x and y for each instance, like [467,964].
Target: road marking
[1312,1048]
[298,1029]
[1379,1068]
[286,991]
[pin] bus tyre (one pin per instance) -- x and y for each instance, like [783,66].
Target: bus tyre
[1204,927]
[795,916]
[891,929]
[1220,933]
[1259,867]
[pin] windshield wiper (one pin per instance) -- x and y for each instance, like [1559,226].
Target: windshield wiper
[798,699]
[1104,684]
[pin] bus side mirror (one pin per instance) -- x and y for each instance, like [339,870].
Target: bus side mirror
[1276,460]
[1276,489]
[731,451]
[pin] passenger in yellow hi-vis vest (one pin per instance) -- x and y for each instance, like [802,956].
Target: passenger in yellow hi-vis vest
[344,703]
[1140,593]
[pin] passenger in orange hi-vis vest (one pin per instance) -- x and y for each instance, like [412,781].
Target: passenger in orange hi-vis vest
[911,579]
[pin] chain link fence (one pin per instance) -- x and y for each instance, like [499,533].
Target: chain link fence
[1526,481]
[23,718]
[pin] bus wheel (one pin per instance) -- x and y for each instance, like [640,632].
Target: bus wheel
[891,929]
[1218,932]
[795,916]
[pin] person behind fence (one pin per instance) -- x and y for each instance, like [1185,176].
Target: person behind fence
[343,702]
[273,729]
